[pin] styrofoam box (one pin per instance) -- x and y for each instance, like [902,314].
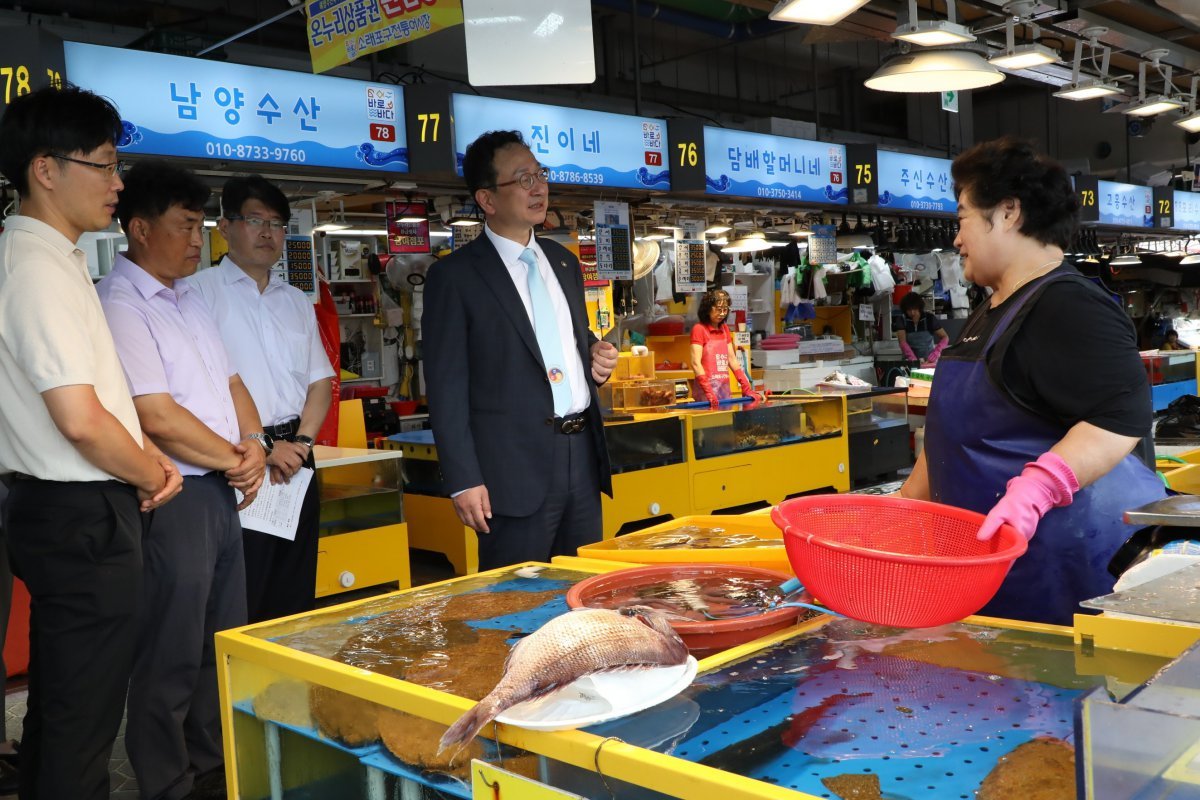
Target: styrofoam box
[834,345]
[782,378]
[773,358]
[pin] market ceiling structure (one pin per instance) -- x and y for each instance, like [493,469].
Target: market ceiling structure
[719,58]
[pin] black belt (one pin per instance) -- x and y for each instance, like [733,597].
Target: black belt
[572,423]
[284,430]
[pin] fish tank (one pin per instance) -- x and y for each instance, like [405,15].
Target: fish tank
[637,395]
[350,702]
[644,443]
[1165,366]
[1147,743]
[743,428]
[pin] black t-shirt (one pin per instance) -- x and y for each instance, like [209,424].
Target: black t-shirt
[928,323]
[1070,356]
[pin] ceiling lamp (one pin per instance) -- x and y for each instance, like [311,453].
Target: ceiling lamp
[750,243]
[1017,57]
[815,12]
[1191,123]
[1186,261]
[1158,103]
[334,223]
[935,70]
[1087,87]
[1127,260]
[717,230]
[934,32]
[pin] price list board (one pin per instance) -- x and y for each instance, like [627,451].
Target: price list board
[689,265]
[299,267]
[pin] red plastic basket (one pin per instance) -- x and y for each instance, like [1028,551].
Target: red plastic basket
[893,561]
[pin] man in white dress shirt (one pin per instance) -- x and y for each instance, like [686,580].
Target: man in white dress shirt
[270,331]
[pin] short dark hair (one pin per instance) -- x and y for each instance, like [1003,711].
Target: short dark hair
[910,301]
[704,312]
[153,186]
[479,162]
[1010,168]
[240,188]
[1171,333]
[67,120]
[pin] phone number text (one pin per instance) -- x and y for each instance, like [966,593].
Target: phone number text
[254,152]
[571,176]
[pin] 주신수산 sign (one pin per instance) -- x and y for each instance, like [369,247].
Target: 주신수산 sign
[188,107]
[915,183]
[585,148]
[744,164]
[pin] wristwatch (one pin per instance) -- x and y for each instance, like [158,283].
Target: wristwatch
[268,444]
[307,441]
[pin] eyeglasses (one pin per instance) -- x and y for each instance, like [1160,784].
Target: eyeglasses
[258,222]
[527,180]
[109,169]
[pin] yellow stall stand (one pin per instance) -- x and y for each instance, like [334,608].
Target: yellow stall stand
[343,703]
[364,538]
[666,464]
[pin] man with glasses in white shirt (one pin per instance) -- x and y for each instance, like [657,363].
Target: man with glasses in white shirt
[270,332]
[71,448]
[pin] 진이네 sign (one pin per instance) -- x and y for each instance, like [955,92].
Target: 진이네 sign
[588,148]
[340,31]
[915,183]
[1125,204]
[187,107]
[744,164]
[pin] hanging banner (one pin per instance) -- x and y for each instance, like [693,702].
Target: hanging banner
[1125,204]
[915,183]
[411,236]
[614,244]
[297,267]
[690,252]
[194,108]
[744,164]
[340,31]
[581,147]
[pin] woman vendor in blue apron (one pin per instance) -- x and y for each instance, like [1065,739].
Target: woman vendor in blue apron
[922,338]
[1039,403]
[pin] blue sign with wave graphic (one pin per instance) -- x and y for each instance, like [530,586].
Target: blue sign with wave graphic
[1187,210]
[1125,204]
[744,164]
[192,108]
[580,147]
[915,183]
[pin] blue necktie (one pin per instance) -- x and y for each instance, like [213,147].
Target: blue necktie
[545,326]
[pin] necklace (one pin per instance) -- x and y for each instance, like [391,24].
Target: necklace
[1035,273]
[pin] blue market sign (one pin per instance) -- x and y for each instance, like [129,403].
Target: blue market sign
[580,147]
[1125,204]
[741,164]
[1187,211]
[187,107]
[915,183]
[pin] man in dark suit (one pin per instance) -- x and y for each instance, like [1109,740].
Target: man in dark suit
[511,371]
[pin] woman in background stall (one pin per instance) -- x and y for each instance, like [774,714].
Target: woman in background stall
[713,355]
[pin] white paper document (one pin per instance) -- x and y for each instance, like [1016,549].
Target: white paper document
[276,509]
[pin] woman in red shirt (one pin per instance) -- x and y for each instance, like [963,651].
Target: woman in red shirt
[713,353]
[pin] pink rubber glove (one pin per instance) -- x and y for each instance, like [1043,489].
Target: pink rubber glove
[936,353]
[1044,484]
[706,391]
[908,352]
[747,389]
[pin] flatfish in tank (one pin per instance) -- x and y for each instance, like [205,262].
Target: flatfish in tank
[694,537]
[705,597]
[582,642]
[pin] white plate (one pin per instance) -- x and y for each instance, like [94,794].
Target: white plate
[598,698]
